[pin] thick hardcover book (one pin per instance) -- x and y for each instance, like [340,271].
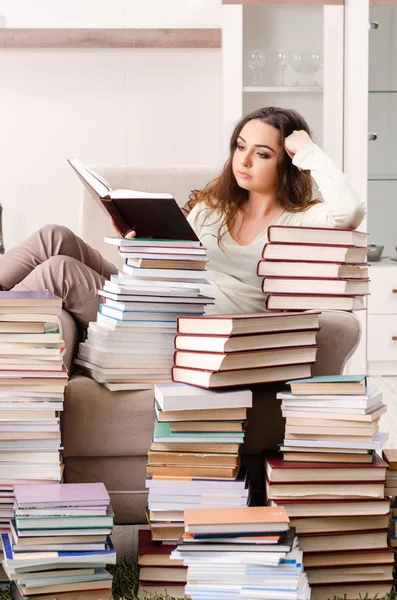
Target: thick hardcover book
[242,324]
[239,377]
[317,235]
[315,252]
[320,286]
[313,302]
[293,268]
[240,343]
[150,215]
[176,396]
[279,471]
[215,361]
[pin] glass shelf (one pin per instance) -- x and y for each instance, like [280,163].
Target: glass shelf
[382,177]
[383,91]
[283,88]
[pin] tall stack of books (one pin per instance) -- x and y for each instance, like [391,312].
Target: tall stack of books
[228,350]
[332,483]
[242,553]
[32,381]
[194,457]
[59,543]
[314,268]
[193,462]
[390,456]
[131,344]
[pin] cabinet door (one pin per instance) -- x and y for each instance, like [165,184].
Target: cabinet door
[286,55]
[382,126]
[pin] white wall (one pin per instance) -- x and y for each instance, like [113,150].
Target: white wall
[111,107]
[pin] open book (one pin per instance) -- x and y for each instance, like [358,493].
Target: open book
[151,215]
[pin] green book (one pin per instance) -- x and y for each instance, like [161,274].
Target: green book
[162,433]
[330,379]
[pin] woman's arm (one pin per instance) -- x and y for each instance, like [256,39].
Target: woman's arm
[342,206]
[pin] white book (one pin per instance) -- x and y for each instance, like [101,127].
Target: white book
[134,316]
[151,335]
[332,409]
[181,300]
[289,285]
[141,372]
[376,444]
[166,274]
[368,400]
[176,307]
[136,325]
[123,387]
[126,352]
[268,268]
[178,396]
[126,250]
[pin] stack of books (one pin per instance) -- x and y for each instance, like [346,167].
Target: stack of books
[242,553]
[159,574]
[59,542]
[332,484]
[390,456]
[131,344]
[194,457]
[228,350]
[314,268]
[32,381]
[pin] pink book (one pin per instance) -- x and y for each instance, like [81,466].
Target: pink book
[62,494]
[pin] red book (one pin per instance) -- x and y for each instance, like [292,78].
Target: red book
[155,554]
[328,253]
[317,235]
[279,471]
[313,302]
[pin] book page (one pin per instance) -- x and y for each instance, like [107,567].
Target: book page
[115,194]
[94,181]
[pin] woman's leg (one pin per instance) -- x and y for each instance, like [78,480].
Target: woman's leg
[71,280]
[50,240]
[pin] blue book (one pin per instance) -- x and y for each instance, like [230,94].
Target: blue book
[107,556]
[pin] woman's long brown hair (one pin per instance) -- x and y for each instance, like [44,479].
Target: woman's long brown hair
[294,187]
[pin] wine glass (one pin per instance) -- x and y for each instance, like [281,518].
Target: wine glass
[296,62]
[282,63]
[257,63]
[314,64]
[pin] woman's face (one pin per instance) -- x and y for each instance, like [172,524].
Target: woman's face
[256,157]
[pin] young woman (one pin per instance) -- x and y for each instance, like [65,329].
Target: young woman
[275,174]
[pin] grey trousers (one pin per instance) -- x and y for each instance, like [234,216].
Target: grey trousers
[55,259]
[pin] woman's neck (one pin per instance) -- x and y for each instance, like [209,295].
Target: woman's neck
[261,205]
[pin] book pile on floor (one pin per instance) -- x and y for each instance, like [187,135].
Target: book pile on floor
[242,553]
[332,484]
[60,542]
[131,344]
[229,350]
[314,268]
[159,574]
[32,381]
[193,461]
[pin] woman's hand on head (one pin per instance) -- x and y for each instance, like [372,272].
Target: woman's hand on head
[296,141]
[130,234]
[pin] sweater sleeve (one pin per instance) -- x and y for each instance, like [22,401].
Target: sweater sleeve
[341,206]
[194,220]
